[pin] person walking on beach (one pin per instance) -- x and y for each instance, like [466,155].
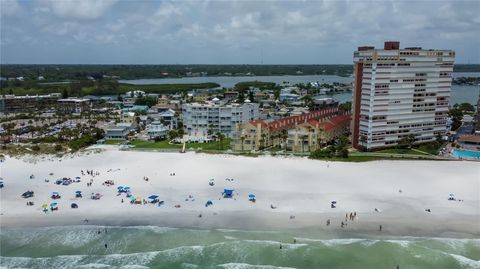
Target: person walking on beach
[380,228]
[106,245]
[328,222]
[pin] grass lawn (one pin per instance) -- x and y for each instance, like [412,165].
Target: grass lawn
[427,148]
[165,145]
[399,151]
[154,145]
[113,142]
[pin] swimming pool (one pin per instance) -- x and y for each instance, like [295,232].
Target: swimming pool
[465,154]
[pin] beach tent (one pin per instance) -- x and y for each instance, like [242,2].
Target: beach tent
[74,205]
[209,203]
[153,197]
[227,193]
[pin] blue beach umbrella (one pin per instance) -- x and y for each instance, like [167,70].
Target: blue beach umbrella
[55,193]
[78,191]
[53,204]
[153,197]
[119,188]
[126,188]
[251,196]
[77,177]
[132,198]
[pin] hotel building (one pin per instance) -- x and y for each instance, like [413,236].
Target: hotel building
[398,92]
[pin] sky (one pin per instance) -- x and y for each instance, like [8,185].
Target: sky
[228,32]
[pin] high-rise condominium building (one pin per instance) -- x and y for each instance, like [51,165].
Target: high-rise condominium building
[399,92]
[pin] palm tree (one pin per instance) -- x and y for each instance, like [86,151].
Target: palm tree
[263,140]
[284,136]
[242,139]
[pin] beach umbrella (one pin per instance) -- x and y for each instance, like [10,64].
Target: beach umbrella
[153,197]
[77,177]
[55,193]
[53,204]
[44,206]
[251,196]
[126,188]
[119,188]
[132,198]
[78,191]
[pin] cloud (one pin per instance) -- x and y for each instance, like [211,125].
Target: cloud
[9,7]
[236,31]
[79,9]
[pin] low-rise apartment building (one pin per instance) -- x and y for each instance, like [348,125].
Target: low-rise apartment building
[203,120]
[258,134]
[13,104]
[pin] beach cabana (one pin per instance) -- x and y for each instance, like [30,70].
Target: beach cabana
[209,203]
[154,198]
[56,195]
[227,193]
[74,205]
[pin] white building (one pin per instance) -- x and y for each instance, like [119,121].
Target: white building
[198,119]
[157,130]
[399,92]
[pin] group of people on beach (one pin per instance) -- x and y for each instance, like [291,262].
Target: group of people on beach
[348,216]
[90,173]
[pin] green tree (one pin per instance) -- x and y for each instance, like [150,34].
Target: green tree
[408,140]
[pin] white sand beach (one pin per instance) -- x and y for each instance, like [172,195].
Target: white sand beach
[296,187]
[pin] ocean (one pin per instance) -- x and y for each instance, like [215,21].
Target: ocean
[161,247]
